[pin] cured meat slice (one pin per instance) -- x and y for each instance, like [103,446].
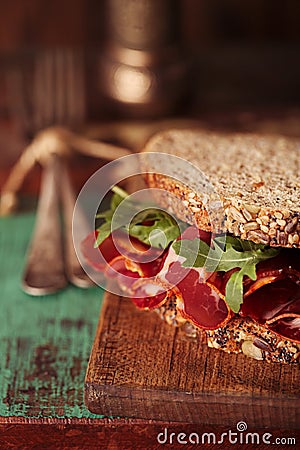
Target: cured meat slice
[125,278]
[118,243]
[287,328]
[284,265]
[148,295]
[95,258]
[200,303]
[271,300]
[191,233]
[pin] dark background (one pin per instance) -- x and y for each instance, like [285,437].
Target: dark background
[244,58]
[244,53]
[205,23]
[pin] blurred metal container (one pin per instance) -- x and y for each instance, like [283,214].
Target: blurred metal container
[142,67]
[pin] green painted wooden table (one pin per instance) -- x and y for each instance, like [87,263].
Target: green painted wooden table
[44,341]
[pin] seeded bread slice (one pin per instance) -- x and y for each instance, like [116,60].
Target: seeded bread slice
[257,178]
[239,335]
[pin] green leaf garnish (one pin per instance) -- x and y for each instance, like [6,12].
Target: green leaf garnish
[198,254]
[160,231]
[234,286]
[149,225]
[105,229]
[103,232]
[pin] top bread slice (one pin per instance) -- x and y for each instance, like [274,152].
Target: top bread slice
[256,177]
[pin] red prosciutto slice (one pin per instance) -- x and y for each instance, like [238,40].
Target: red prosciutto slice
[293,309]
[268,301]
[197,301]
[96,259]
[143,257]
[201,304]
[191,233]
[123,263]
[285,265]
[148,295]
[287,321]
[125,278]
[289,328]
[277,306]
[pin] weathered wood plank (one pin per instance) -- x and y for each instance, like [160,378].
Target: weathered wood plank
[131,434]
[141,367]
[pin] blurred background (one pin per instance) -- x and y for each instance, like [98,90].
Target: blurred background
[116,71]
[229,64]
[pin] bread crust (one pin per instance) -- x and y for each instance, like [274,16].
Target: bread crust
[239,335]
[254,207]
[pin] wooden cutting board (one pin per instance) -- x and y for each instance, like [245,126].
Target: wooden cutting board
[141,367]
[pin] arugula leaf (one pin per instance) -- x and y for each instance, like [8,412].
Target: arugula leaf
[149,225]
[234,286]
[160,232]
[103,232]
[232,258]
[198,254]
[105,229]
[117,198]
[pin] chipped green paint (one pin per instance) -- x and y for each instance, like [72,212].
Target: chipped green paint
[45,342]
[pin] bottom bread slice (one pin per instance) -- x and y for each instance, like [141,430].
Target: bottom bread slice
[239,335]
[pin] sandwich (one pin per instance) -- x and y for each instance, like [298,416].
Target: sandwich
[220,255]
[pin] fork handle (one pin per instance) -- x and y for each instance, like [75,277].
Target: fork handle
[75,273]
[44,271]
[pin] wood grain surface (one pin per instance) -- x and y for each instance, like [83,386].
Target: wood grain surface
[130,434]
[141,367]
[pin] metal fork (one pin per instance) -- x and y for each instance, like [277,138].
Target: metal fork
[44,271]
[58,99]
[52,260]
[74,271]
